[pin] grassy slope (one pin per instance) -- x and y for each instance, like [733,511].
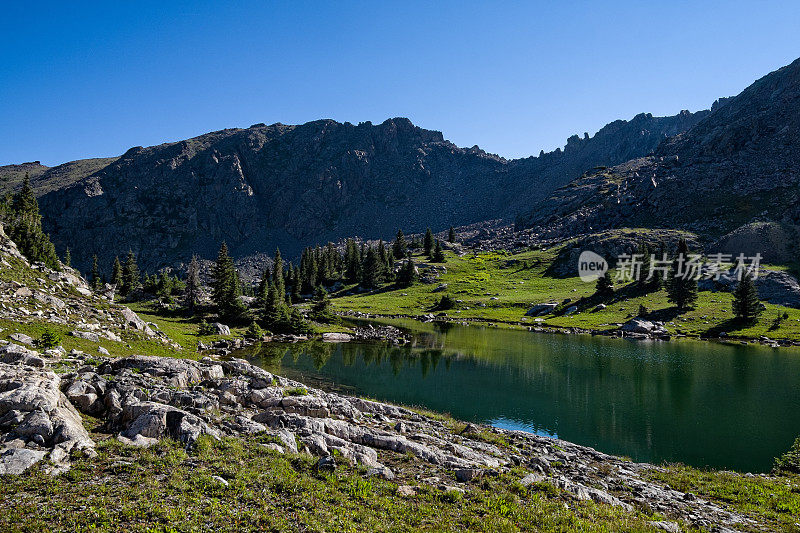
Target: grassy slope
[475,280]
[164,488]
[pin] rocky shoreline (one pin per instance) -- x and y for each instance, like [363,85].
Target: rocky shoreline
[141,399]
[636,328]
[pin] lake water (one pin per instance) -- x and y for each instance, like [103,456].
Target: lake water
[700,403]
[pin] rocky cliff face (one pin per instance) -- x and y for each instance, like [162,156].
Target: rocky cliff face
[292,186]
[738,166]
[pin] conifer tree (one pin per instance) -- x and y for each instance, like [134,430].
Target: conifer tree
[389,271]
[116,274]
[451,235]
[682,291]
[352,262]
[263,288]
[605,286]
[25,228]
[131,280]
[95,279]
[428,243]
[644,271]
[408,273]
[226,288]
[746,305]
[438,253]
[191,294]
[400,246]
[67,258]
[371,269]
[277,276]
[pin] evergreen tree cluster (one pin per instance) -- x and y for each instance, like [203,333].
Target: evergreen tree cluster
[20,215]
[368,266]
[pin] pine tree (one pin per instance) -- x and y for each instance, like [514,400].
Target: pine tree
[451,235]
[371,269]
[131,280]
[116,274]
[438,253]
[24,202]
[382,258]
[681,291]
[400,246]
[746,305]
[226,289]
[352,262]
[643,283]
[408,273]
[389,271]
[428,242]
[191,294]
[25,228]
[67,258]
[95,279]
[605,286]
[263,289]
[277,276]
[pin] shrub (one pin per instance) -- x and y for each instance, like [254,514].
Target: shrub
[50,338]
[789,462]
[254,331]
[204,328]
[445,302]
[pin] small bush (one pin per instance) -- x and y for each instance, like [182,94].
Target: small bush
[789,462]
[445,302]
[204,328]
[296,391]
[254,331]
[50,339]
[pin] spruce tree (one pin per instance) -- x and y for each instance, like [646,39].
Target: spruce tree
[277,276]
[352,262]
[226,289]
[746,305]
[371,269]
[383,257]
[25,228]
[643,283]
[389,270]
[438,253]
[408,273]
[681,291]
[95,279]
[191,294]
[427,244]
[131,280]
[263,289]
[400,246]
[605,286]
[116,275]
[67,258]
[451,235]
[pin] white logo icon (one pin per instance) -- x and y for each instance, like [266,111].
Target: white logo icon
[591,266]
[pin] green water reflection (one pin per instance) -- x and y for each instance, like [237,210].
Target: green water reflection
[699,403]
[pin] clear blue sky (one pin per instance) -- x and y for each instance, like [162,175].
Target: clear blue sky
[80,80]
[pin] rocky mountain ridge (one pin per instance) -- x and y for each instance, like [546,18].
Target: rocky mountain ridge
[735,171]
[293,186]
